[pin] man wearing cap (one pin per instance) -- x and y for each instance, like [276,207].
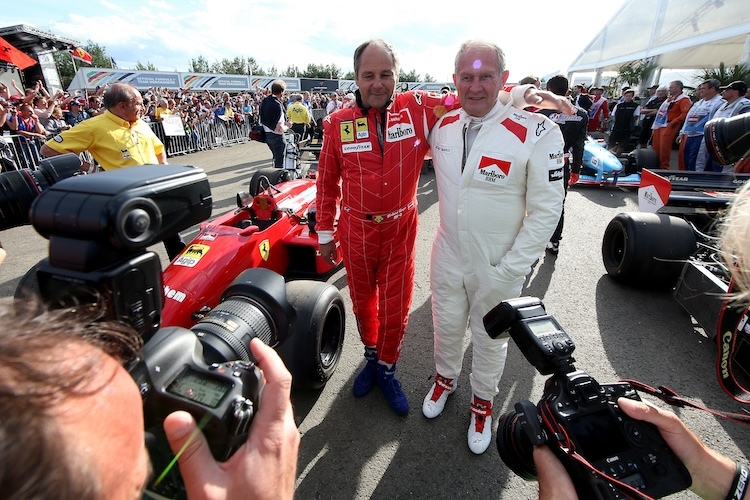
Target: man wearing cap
[691,133]
[657,95]
[736,104]
[76,114]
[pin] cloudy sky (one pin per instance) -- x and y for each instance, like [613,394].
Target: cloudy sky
[540,37]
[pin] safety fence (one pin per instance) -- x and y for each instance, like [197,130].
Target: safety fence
[17,151]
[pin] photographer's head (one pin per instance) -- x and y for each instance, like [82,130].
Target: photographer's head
[72,416]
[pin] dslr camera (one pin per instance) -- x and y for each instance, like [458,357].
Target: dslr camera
[604,451]
[728,139]
[99,227]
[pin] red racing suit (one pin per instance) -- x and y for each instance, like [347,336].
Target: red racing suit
[370,163]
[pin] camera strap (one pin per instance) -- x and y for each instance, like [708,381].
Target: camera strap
[673,398]
[733,346]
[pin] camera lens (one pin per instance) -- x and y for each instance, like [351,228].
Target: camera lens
[253,305]
[227,330]
[728,140]
[514,446]
[19,188]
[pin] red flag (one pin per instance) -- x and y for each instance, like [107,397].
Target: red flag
[14,56]
[81,55]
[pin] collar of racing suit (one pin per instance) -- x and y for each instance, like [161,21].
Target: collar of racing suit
[362,106]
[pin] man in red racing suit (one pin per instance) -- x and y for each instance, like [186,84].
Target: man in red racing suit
[370,163]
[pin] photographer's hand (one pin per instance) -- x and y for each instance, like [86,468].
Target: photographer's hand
[554,481]
[265,466]
[712,472]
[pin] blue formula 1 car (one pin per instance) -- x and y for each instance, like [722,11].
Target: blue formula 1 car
[602,168]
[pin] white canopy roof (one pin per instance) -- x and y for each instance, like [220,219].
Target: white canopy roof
[678,34]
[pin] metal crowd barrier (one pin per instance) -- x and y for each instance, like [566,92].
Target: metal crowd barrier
[17,152]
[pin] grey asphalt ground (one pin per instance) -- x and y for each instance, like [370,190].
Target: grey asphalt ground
[358,448]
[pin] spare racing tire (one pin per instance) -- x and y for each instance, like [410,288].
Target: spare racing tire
[647,250]
[646,158]
[312,352]
[274,176]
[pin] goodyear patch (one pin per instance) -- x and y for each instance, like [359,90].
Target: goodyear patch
[357,148]
[265,249]
[57,138]
[192,255]
[347,131]
[556,175]
[363,131]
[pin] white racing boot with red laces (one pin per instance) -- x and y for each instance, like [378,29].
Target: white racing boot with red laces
[480,428]
[435,400]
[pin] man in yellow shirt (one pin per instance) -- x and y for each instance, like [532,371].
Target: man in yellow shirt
[298,114]
[117,138]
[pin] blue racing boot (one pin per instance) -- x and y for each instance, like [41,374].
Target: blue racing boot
[392,389]
[366,378]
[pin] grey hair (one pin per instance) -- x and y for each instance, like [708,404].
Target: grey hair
[472,44]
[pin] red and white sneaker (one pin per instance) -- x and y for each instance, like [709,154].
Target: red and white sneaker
[435,400]
[480,428]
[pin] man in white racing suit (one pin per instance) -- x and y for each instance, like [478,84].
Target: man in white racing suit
[499,173]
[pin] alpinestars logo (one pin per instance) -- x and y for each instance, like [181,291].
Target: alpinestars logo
[400,126]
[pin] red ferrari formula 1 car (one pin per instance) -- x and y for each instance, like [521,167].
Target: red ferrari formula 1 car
[274,229]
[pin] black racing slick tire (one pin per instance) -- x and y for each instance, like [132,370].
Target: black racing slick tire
[646,158]
[274,176]
[312,352]
[647,250]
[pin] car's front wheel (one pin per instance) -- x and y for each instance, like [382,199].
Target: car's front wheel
[647,250]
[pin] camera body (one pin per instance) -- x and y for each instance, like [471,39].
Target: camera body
[578,414]
[99,227]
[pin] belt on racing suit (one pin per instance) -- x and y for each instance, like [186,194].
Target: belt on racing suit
[383,217]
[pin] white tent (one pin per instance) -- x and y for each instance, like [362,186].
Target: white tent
[674,34]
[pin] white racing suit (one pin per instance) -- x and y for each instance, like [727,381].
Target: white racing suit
[495,220]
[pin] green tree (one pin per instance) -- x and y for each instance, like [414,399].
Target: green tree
[428,78]
[199,65]
[725,75]
[290,71]
[632,74]
[149,66]
[411,76]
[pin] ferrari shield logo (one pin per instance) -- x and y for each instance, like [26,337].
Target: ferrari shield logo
[378,219]
[265,249]
[347,131]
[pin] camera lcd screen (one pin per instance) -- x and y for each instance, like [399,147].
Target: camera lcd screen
[598,435]
[200,388]
[541,327]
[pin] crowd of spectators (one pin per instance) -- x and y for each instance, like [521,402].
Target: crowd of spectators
[708,100]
